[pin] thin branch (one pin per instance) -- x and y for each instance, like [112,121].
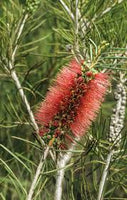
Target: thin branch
[19,32]
[60,173]
[17,82]
[62,162]
[104,175]
[37,174]
[26,103]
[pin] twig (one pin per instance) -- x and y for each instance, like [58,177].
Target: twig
[62,162]
[19,32]
[26,103]
[17,82]
[37,174]
[104,175]
[60,173]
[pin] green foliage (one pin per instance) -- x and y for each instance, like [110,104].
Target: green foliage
[41,51]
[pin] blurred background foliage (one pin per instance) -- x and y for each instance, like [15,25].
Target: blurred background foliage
[47,43]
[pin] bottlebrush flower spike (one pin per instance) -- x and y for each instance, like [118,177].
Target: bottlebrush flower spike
[71,104]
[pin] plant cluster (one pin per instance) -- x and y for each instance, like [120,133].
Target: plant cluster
[63,68]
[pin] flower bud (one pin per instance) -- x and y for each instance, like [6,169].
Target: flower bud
[32,5]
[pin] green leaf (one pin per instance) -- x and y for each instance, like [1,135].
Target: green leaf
[18,159]
[8,169]
[2,197]
[35,41]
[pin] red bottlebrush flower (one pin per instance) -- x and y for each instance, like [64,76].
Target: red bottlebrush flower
[90,103]
[71,103]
